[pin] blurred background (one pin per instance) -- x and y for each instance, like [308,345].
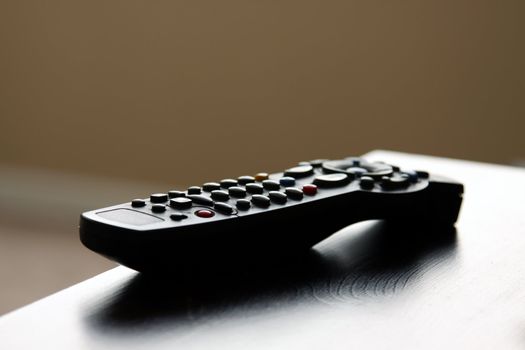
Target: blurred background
[102,101]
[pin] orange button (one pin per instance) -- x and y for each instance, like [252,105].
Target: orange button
[261,177]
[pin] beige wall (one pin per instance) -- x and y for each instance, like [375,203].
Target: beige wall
[185,91]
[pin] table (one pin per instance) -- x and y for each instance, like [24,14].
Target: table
[370,286]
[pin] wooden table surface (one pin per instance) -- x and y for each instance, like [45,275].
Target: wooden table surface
[370,286]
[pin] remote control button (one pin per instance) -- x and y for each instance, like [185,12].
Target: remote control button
[237,192]
[355,161]
[261,201]
[158,208]
[204,213]
[375,170]
[422,174]
[243,204]
[356,171]
[316,163]
[277,197]
[180,203]
[332,180]
[310,190]
[287,181]
[366,182]
[394,182]
[199,199]
[294,193]
[412,175]
[299,171]
[227,183]
[211,186]
[220,195]
[271,185]
[158,198]
[246,179]
[175,194]
[261,177]
[194,190]
[223,208]
[178,216]
[254,188]
[138,203]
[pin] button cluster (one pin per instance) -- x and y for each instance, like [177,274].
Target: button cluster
[231,195]
[396,181]
[245,192]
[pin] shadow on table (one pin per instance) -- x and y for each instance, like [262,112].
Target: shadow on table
[362,263]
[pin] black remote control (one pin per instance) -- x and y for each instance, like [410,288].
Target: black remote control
[266,215]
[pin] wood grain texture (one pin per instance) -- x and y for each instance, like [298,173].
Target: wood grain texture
[370,286]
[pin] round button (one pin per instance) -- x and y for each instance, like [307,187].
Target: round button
[158,198]
[355,161]
[178,216]
[375,170]
[254,188]
[357,171]
[180,203]
[422,174]
[277,197]
[199,199]
[317,162]
[287,181]
[294,193]
[246,179]
[299,171]
[175,194]
[243,204]
[194,190]
[271,185]
[366,182]
[204,213]
[220,195]
[260,200]
[261,177]
[412,175]
[237,192]
[158,208]
[394,182]
[332,180]
[138,203]
[227,183]
[224,208]
[310,189]
[211,186]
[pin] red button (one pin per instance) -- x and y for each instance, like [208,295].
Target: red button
[203,213]
[310,190]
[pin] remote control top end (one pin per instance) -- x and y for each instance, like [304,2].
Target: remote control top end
[264,214]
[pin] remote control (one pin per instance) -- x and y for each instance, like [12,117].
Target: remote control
[266,216]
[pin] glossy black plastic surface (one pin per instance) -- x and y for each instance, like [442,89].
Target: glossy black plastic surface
[146,239]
